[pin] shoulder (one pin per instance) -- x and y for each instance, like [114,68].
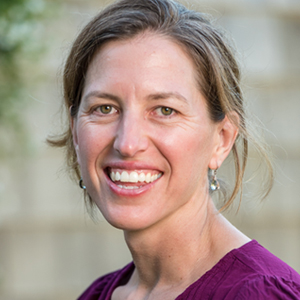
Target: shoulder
[249,272]
[255,259]
[103,287]
[263,287]
[255,273]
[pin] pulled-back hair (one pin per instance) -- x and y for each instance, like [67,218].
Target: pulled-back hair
[218,73]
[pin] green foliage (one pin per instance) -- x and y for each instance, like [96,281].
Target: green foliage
[20,25]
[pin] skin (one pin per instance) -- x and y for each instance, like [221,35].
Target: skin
[171,226]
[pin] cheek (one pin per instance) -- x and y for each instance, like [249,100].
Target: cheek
[197,153]
[92,141]
[187,149]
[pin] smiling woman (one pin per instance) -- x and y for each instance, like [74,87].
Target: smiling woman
[155,104]
[145,101]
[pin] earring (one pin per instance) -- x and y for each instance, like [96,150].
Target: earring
[81,184]
[214,183]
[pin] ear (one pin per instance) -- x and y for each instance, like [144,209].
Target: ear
[73,122]
[227,132]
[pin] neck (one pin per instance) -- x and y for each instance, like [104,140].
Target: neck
[173,255]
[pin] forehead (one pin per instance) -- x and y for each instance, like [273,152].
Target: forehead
[145,56]
[144,50]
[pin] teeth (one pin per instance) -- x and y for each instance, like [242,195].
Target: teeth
[142,177]
[133,177]
[128,187]
[148,177]
[113,176]
[124,176]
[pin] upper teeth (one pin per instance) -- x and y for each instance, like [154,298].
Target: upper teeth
[133,177]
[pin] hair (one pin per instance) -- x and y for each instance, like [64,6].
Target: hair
[218,74]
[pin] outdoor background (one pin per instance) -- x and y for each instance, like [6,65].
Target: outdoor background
[49,248]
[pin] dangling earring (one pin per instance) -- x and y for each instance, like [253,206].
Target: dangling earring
[214,183]
[81,184]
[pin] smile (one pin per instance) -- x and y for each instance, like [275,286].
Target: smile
[133,177]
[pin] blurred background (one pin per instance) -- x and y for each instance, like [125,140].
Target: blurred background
[49,248]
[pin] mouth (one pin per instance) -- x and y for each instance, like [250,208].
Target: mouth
[132,179]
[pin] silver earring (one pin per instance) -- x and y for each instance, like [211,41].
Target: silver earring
[81,184]
[214,183]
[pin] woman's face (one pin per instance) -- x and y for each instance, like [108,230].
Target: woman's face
[143,136]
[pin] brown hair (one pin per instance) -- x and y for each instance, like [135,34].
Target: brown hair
[217,69]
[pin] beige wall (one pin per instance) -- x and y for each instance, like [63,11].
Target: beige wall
[49,247]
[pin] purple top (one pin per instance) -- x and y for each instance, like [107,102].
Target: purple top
[249,272]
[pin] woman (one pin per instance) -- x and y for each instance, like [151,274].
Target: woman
[155,104]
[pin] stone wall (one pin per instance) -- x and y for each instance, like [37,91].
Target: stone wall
[49,247]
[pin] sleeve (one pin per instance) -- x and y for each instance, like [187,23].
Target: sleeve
[267,288]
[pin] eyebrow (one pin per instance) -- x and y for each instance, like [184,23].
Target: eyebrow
[99,94]
[158,96]
[155,96]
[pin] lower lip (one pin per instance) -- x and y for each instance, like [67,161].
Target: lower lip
[129,192]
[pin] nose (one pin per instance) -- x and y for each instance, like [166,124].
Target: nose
[131,137]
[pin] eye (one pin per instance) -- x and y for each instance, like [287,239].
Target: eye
[106,109]
[166,111]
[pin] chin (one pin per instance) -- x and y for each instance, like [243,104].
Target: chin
[128,221]
[128,225]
